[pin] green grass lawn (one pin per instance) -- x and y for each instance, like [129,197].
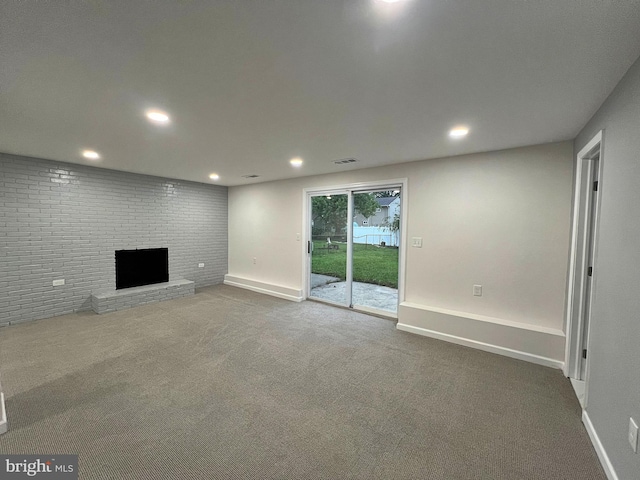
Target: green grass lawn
[371,264]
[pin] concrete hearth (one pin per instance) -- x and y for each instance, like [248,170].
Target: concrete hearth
[113,300]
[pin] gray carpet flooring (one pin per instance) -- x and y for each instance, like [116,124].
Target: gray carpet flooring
[233,384]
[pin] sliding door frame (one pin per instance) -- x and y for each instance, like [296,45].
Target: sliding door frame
[350,189]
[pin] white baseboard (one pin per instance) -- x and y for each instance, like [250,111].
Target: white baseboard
[597,445]
[3,415]
[535,344]
[486,347]
[279,291]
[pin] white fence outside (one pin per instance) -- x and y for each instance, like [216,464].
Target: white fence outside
[375,236]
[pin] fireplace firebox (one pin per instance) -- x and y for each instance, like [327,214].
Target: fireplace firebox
[135,268]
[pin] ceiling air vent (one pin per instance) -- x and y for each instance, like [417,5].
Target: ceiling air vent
[345,161]
[253,175]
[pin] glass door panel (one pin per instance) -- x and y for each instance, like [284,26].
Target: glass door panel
[376,242]
[328,248]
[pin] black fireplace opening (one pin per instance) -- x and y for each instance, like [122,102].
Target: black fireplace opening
[135,268]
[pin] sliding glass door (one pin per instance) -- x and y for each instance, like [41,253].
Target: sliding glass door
[354,248]
[328,247]
[376,227]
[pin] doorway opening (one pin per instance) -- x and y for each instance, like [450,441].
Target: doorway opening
[355,246]
[582,264]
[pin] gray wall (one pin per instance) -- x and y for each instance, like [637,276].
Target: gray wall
[60,220]
[614,345]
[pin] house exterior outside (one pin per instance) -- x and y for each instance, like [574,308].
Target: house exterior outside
[374,230]
[388,208]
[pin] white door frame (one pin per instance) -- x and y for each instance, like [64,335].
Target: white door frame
[355,187]
[579,260]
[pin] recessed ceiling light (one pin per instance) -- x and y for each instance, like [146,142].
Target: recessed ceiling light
[458,132]
[296,162]
[157,116]
[389,9]
[91,154]
[214,176]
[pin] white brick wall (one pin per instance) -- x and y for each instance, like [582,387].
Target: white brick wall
[60,220]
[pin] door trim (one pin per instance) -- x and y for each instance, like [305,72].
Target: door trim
[355,187]
[578,258]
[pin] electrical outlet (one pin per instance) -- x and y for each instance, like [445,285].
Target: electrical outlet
[254,260]
[297,237]
[477,290]
[633,435]
[416,242]
[201,265]
[57,283]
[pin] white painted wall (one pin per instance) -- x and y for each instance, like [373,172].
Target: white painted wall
[499,219]
[3,413]
[614,365]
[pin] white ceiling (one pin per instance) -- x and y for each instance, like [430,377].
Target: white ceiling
[250,84]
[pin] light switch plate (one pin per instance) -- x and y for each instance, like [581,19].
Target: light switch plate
[477,290]
[57,283]
[416,242]
[201,265]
